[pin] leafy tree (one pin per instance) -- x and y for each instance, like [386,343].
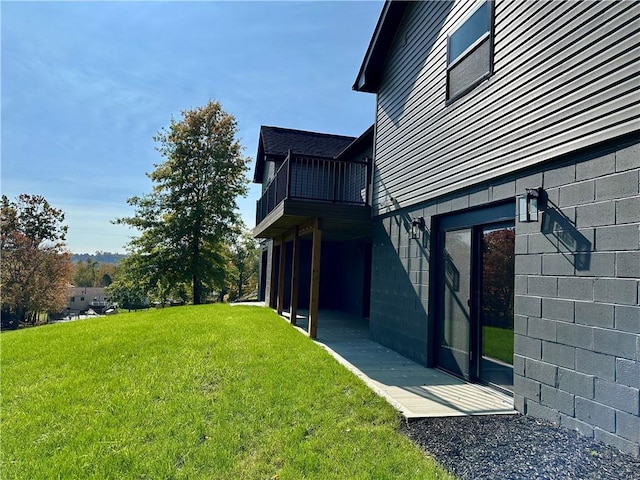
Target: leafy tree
[243,271]
[91,273]
[35,268]
[498,268]
[84,273]
[192,208]
[128,289]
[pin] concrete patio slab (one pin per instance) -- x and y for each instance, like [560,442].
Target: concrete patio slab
[414,390]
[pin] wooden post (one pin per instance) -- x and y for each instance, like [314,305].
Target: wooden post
[294,277]
[281,274]
[272,277]
[315,279]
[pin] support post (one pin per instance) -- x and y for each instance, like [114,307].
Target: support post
[271,295]
[281,274]
[314,296]
[295,268]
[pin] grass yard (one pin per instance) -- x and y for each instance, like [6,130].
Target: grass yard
[498,343]
[192,392]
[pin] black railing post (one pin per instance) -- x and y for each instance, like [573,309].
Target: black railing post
[289,160]
[368,178]
[335,174]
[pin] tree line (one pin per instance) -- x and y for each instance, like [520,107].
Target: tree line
[192,245]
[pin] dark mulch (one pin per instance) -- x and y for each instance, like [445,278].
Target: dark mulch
[511,447]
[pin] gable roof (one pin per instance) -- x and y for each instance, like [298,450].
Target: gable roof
[275,143]
[360,144]
[370,74]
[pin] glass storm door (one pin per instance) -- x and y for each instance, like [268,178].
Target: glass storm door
[474,328]
[455,327]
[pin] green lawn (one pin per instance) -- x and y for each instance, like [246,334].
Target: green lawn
[191,392]
[498,343]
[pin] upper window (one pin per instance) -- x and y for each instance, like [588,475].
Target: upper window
[469,52]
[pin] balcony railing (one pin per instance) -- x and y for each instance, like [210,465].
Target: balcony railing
[318,179]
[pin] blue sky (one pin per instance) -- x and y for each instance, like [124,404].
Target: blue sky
[86,85]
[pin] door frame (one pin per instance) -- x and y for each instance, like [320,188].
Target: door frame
[473,219]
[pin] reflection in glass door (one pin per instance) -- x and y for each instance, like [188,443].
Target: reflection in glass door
[455,331]
[474,328]
[496,305]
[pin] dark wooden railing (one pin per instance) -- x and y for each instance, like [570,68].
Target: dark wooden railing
[318,179]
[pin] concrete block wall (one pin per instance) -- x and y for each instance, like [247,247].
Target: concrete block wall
[577,310]
[577,287]
[400,288]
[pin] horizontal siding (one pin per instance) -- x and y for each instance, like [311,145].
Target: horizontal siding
[569,70]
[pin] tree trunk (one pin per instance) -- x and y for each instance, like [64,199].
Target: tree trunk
[240,282]
[197,294]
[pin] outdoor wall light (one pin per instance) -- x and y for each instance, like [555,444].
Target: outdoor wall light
[528,205]
[417,225]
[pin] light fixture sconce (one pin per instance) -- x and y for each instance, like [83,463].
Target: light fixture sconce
[528,205]
[417,226]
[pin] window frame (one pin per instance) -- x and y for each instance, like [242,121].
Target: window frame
[489,35]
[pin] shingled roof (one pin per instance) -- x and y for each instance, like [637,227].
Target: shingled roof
[275,142]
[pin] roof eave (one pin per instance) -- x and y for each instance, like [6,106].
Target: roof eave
[369,76]
[259,170]
[362,142]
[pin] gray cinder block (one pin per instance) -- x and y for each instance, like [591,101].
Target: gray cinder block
[575,288]
[542,328]
[617,396]
[575,335]
[596,167]
[628,158]
[627,318]
[596,314]
[628,264]
[527,347]
[628,210]
[529,306]
[559,354]
[615,290]
[557,399]
[558,309]
[526,387]
[543,286]
[628,372]
[621,185]
[542,372]
[628,426]
[598,364]
[620,344]
[577,193]
[618,237]
[596,414]
[578,384]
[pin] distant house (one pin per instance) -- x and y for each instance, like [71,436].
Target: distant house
[80,299]
[504,203]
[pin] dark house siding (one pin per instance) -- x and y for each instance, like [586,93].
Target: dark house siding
[565,77]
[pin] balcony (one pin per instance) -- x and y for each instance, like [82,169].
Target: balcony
[308,187]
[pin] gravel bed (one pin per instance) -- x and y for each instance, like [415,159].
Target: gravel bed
[511,447]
